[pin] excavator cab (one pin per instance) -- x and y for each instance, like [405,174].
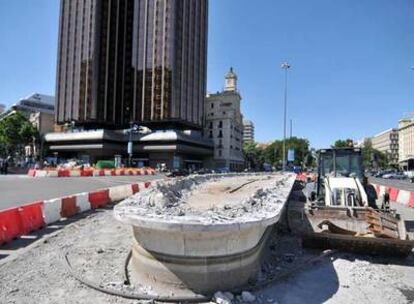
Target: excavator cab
[340,172]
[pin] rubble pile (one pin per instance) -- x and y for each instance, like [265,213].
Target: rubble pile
[167,200]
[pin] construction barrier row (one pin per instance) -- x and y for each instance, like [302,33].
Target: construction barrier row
[90,172]
[19,221]
[400,196]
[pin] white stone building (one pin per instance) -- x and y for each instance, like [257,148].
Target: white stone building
[248,131]
[406,143]
[224,125]
[387,142]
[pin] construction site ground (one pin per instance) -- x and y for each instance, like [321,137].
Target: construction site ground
[97,246]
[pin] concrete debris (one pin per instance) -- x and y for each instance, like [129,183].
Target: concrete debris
[211,198]
[229,295]
[248,297]
[223,298]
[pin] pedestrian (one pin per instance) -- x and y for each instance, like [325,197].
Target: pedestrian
[1,165]
[386,202]
[371,193]
[5,166]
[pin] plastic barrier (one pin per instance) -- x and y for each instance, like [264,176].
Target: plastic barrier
[119,193]
[145,172]
[378,188]
[63,173]
[74,173]
[85,173]
[31,172]
[51,210]
[53,173]
[68,207]
[121,172]
[393,194]
[135,188]
[403,197]
[99,198]
[31,217]
[147,184]
[10,225]
[411,201]
[82,201]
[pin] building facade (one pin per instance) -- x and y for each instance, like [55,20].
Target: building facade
[387,142]
[224,125]
[33,103]
[248,132]
[39,109]
[406,143]
[2,108]
[132,61]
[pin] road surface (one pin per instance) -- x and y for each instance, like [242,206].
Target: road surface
[400,184]
[16,190]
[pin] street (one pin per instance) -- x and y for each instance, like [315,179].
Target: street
[400,184]
[16,190]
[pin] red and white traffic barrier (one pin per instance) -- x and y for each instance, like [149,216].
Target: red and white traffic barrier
[15,222]
[403,197]
[90,172]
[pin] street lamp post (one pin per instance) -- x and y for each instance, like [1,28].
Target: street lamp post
[133,129]
[285,66]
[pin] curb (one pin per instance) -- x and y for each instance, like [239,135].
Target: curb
[90,172]
[397,195]
[18,221]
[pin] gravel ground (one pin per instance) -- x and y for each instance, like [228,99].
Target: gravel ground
[98,245]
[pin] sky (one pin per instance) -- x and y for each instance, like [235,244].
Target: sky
[351,60]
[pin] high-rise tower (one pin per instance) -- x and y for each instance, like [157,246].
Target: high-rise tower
[122,61]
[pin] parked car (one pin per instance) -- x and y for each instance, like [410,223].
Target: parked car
[223,170]
[399,175]
[177,173]
[394,175]
[203,171]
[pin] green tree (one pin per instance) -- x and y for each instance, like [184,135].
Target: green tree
[373,158]
[15,132]
[341,143]
[253,156]
[273,154]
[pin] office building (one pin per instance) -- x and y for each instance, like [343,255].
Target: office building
[39,109]
[224,125]
[132,61]
[387,143]
[248,132]
[406,143]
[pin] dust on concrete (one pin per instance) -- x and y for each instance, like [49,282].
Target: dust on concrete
[209,199]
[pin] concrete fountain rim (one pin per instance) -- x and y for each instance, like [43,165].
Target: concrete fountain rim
[193,223]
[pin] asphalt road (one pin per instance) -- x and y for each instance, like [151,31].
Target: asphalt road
[16,190]
[400,184]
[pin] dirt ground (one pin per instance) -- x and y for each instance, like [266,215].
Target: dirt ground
[98,244]
[227,191]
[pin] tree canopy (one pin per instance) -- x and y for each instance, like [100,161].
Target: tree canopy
[16,131]
[341,143]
